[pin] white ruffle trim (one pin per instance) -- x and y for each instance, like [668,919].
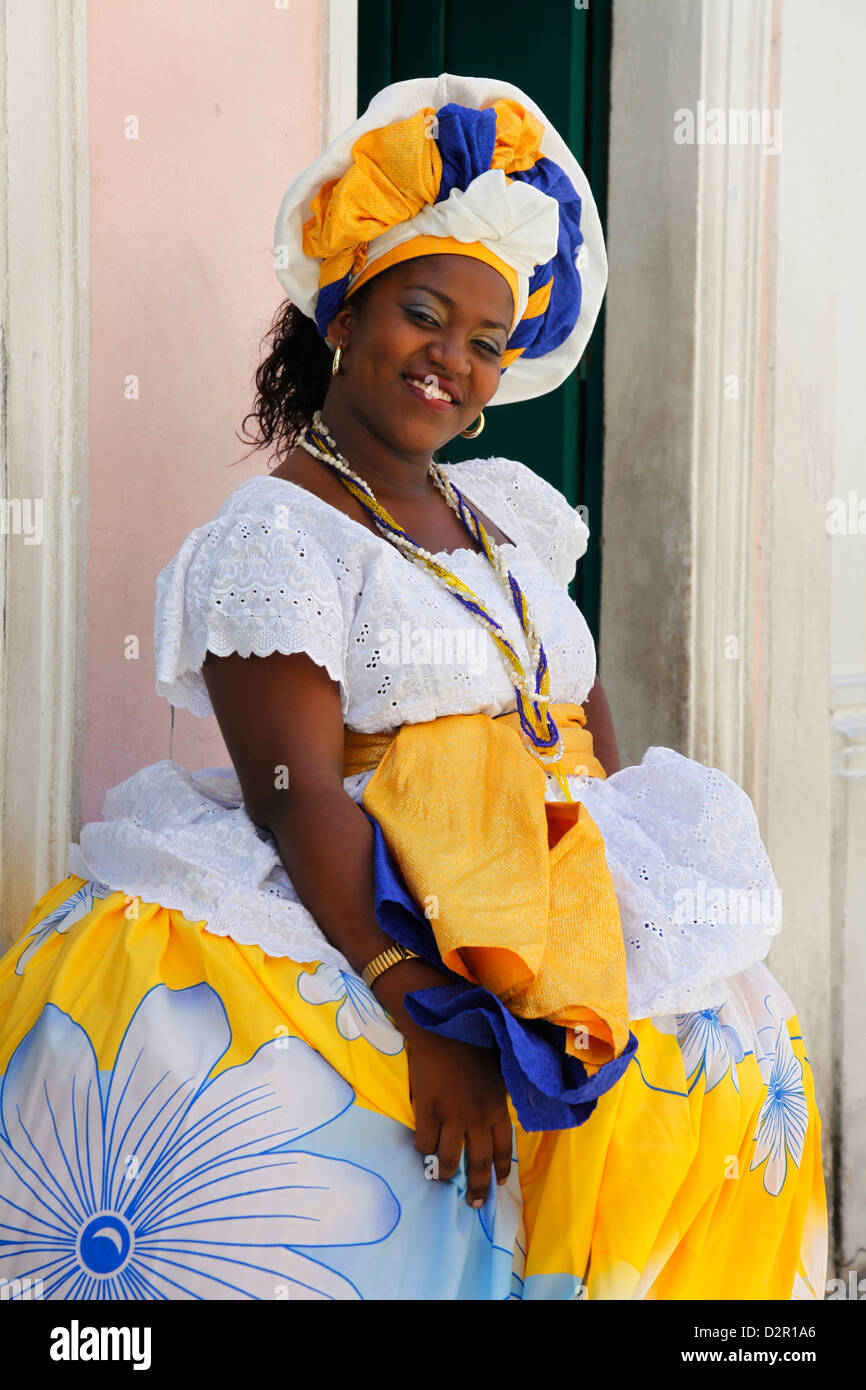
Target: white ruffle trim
[697,895]
[183,840]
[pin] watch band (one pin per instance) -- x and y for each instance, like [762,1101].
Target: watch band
[385,959]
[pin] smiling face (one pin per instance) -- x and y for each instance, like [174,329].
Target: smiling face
[422,349]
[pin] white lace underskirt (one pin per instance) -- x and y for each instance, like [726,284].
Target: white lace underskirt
[697,896]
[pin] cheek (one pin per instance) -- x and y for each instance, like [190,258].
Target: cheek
[389,341]
[488,377]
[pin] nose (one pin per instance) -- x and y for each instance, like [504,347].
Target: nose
[448,351]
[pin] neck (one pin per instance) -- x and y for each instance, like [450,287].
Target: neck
[391,471]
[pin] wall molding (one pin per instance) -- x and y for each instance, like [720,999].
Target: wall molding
[849,953]
[44,446]
[725,261]
[731,384]
[338,68]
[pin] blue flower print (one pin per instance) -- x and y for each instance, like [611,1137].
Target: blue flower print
[784,1115]
[710,1045]
[164,1184]
[64,916]
[360,1015]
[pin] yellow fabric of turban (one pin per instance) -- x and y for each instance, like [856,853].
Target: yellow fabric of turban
[518,137]
[395,171]
[517,889]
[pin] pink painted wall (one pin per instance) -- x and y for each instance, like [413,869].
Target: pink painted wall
[226,96]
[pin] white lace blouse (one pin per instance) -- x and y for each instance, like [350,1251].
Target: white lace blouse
[278,569]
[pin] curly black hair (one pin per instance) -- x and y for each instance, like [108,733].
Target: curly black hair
[291,381]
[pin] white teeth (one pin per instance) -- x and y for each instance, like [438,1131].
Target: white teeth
[430,390]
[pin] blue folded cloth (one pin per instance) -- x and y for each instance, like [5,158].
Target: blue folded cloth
[549,1088]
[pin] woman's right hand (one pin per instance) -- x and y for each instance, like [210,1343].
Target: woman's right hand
[456,1089]
[458,1095]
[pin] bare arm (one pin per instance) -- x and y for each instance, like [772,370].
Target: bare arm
[599,721]
[282,715]
[282,722]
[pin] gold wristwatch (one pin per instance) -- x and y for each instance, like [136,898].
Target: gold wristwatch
[385,959]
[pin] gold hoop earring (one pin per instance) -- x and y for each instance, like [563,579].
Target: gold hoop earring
[474,430]
[338,357]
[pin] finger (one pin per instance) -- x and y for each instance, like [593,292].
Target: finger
[449,1150]
[503,1143]
[427,1127]
[479,1161]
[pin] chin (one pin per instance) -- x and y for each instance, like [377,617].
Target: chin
[419,435]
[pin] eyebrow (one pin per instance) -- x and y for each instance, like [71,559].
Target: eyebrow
[446,299]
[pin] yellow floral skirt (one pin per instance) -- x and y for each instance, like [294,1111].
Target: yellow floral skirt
[185,1117]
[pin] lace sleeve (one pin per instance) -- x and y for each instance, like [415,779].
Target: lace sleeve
[555,530]
[253,582]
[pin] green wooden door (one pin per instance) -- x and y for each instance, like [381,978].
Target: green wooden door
[558,54]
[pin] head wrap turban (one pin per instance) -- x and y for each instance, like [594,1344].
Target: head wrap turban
[459,165]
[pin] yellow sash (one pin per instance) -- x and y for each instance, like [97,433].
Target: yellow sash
[517,889]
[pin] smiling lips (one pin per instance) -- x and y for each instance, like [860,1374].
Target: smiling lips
[431,393]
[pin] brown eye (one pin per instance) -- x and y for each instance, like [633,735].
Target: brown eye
[425,318]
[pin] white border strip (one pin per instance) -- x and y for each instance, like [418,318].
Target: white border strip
[338,68]
[44,443]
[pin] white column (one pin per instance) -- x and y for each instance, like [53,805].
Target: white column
[841,353]
[338,67]
[732,622]
[44,227]
[650,336]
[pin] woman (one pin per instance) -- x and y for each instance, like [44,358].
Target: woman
[414,1001]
